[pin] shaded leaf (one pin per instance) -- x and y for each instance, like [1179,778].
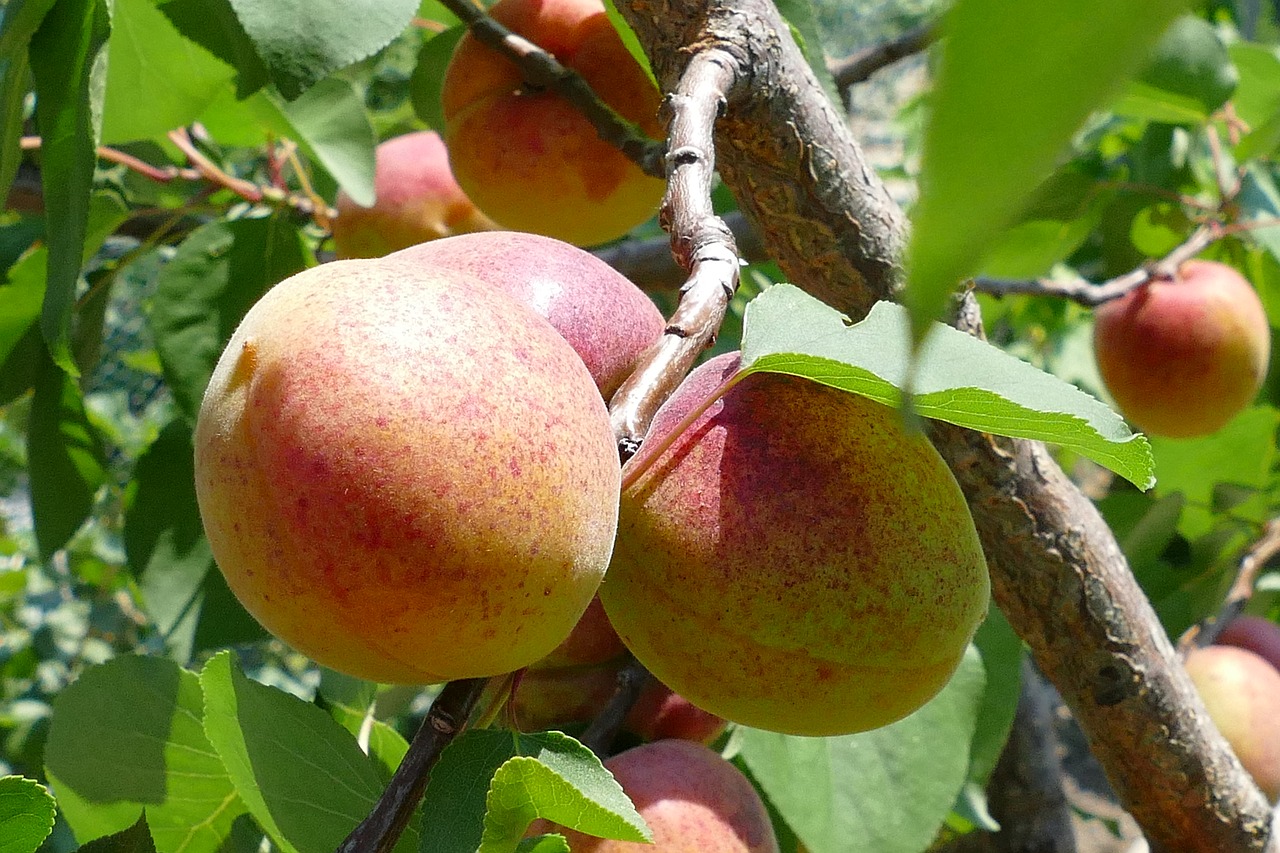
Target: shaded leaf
[135,839]
[958,379]
[427,79]
[127,735]
[19,20]
[63,52]
[1188,76]
[213,25]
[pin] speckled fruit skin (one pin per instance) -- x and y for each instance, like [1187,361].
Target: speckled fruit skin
[1241,691]
[417,200]
[409,478]
[793,560]
[528,158]
[692,799]
[1183,357]
[1255,633]
[604,317]
[592,641]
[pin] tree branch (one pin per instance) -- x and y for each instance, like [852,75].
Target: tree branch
[1057,571]
[650,265]
[860,65]
[542,69]
[1251,564]
[632,679]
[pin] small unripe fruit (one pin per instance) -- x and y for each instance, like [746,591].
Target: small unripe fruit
[608,321]
[526,156]
[1241,692]
[1183,357]
[409,477]
[417,200]
[692,799]
[793,560]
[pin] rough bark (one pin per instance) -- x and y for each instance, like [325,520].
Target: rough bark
[1057,571]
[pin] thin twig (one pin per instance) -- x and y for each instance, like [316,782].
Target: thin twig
[1255,558]
[861,64]
[599,736]
[1092,295]
[379,832]
[700,241]
[543,70]
[160,174]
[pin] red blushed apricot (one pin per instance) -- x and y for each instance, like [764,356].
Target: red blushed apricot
[1241,692]
[1183,357]
[408,477]
[528,158]
[793,560]
[417,200]
[607,320]
[1256,634]
[692,799]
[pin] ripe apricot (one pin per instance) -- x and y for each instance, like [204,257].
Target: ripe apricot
[417,200]
[409,477]
[1183,357]
[527,157]
[793,560]
[608,321]
[1241,692]
[1256,634]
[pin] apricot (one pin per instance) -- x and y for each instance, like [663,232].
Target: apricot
[417,200]
[661,714]
[1256,634]
[1241,692]
[793,560]
[527,157]
[609,321]
[692,799]
[1183,357]
[409,477]
[592,641]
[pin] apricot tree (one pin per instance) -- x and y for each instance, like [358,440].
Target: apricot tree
[168,163]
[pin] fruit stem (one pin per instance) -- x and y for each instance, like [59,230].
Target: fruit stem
[599,736]
[379,832]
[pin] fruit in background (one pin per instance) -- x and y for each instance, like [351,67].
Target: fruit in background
[409,477]
[1241,691]
[793,560]
[1256,634]
[608,320]
[417,200]
[526,156]
[1183,357]
[693,800]
[662,714]
[592,641]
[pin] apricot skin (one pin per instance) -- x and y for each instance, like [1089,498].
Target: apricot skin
[1256,634]
[409,478]
[527,157]
[692,799]
[608,321]
[794,561]
[1183,357]
[417,200]
[1241,692]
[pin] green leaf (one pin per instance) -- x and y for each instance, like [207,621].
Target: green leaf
[20,297]
[1259,199]
[202,293]
[300,774]
[135,839]
[65,459]
[62,54]
[1188,76]
[1002,652]
[630,39]
[351,702]
[1015,81]
[958,379]
[157,79]
[883,791]
[213,25]
[1257,98]
[561,780]
[303,41]
[26,814]
[459,809]
[428,75]
[332,125]
[127,735]
[19,20]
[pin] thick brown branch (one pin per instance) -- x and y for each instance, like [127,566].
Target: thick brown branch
[700,242]
[543,70]
[860,65]
[651,266]
[1057,571]
[379,832]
